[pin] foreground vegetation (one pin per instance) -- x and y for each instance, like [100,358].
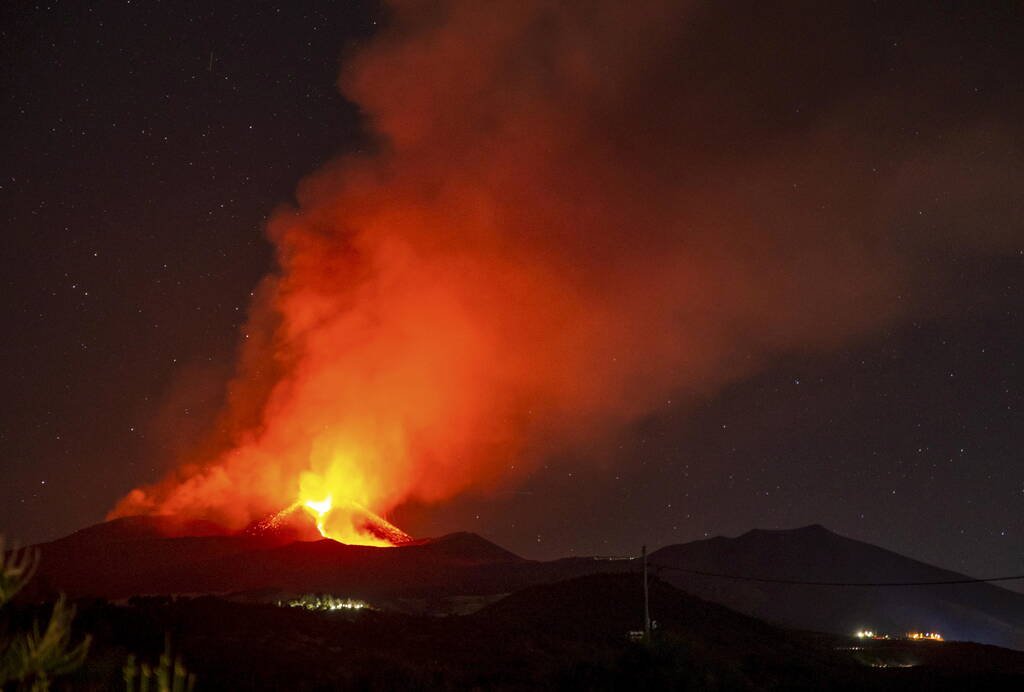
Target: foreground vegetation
[32,653]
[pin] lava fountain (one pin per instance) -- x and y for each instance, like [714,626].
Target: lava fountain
[351,523]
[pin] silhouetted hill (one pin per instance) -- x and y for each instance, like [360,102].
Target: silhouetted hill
[467,549]
[600,609]
[139,528]
[977,612]
[609,605]
[134,556]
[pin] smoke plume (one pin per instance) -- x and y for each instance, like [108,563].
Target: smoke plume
[572,212]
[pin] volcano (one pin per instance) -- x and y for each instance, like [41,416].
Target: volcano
[143,555]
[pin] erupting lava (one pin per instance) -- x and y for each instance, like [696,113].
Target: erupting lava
[350,523]
[319,511]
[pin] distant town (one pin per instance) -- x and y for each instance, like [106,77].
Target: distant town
[870,634]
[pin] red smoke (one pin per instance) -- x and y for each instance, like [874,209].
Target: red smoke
[565,222]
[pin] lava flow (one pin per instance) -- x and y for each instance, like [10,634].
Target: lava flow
[349,522]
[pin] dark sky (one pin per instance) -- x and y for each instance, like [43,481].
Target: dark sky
[145,145]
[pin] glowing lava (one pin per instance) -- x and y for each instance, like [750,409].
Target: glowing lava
[319,511]
[351,523]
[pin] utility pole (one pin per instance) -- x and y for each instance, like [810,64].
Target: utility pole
[647,602]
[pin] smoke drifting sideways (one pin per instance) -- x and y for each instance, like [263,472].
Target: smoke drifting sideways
[573,212]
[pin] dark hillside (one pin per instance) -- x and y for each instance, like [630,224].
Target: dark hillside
[977,612]
[564,636]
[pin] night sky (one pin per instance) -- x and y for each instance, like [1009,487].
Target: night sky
[146,144]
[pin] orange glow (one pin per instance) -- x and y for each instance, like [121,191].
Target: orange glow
[526,263]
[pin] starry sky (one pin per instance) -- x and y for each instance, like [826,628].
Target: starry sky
[145,145]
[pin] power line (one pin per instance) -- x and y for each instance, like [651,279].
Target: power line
[798,582]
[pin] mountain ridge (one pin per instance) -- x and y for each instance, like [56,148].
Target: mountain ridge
[128,558]
[974,611]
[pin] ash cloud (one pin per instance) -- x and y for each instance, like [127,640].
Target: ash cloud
[576,211]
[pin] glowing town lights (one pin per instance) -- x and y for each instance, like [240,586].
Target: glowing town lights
[323,602]
[871,634]
[932,636]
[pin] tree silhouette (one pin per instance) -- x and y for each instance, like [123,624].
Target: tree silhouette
[31,658]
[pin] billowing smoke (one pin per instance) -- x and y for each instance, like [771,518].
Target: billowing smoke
[575,211]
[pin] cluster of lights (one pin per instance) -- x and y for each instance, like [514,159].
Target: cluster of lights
[870,634]
[348,605]
[318,602]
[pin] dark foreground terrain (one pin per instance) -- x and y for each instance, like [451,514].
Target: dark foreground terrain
[459,612]
[164,555]
[566,635]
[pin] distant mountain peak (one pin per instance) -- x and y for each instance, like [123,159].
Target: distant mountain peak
[467,546]
[142,527]
[809,530]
